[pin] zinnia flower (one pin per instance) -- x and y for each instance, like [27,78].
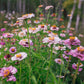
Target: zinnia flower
[59,61]
[74,66]
[72,41]
[24,42]
[8,72]
[12,50]
[19,56]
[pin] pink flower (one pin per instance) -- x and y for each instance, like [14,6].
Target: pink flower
[8,72]
[7,57]
[62,35]
[74,66]
[12,50]
[59,61]
[3,29]
[7,35]
[19,56]
[42,27]
[54,27]
[51,40]
[72,41]
[24,42]
[48,7]
[78,52]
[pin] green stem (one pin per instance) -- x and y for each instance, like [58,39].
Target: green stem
[20,74]
[67,67]
[29,53]
[75,76]
[49,63]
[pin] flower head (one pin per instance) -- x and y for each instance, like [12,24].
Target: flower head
[19,56]
[8,72]
[12,50]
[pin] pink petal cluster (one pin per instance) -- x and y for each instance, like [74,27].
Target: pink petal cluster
[8,72]
[78,52]
[72,41]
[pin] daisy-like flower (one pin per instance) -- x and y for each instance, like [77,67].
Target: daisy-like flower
[22,34]
[42,27]
[7,35]
[41,15]
[33,30]
[36,21]
[3,29]
[19,56]
[48,7]
[58,76]
[72,41]
[53,34]
[30,15]
[62,26]
[59,47]
[40,6]
[53,15]
[8,72]
[24,42]
[66,58]
[78,52]
[54,27]
[59,61]
[2,43]
[7,57]
[12,50]
[62,35]
[74,66]
[28,21]
[52,40]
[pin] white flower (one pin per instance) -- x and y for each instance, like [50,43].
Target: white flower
[22,34]
[33,30]
[42,27]
[48,7]
[59,61]
[19,56]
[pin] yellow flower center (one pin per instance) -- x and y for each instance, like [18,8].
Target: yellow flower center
[6,73]
[55,33]
[17,21]
[18,55]
[33,29]
[24,39]
[51,38]
[80,49]
[59,60]
[24,15]
[72,38]
[42,26]
[54,26]
[13,50]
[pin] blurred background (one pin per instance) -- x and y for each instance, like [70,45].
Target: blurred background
[67,9]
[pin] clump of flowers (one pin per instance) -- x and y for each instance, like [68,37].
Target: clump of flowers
[7,35]
[72,41]
[74,66]
[78,52]
[8,72]
[51,40]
